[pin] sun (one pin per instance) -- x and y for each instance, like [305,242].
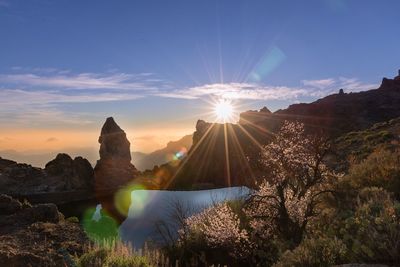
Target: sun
[223,109]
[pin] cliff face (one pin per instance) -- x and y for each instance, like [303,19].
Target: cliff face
[228,155]
[114,168]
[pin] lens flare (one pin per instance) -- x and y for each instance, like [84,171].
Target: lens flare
[180,154]
[125,199]
[268,63]
[99,226]
[140,198]
[223,109]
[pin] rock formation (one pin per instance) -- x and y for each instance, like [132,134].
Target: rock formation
[37,235]
[397,78]
[63,174]
[114,169]
[77,173]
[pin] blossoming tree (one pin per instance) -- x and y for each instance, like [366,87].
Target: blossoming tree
[281,206]
[296,179]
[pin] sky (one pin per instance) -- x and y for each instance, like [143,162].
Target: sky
[158,66]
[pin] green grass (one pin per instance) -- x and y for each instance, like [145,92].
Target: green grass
[118,254]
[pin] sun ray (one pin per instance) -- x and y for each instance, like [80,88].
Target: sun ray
[228,167]
[239,147]
[189,155]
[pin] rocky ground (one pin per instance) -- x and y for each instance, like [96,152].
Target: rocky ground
[37,235]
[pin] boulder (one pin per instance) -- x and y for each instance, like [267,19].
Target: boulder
[8,205]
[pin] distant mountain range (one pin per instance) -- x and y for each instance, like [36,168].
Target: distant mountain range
[143,161]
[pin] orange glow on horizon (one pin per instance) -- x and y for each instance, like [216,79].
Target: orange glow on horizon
[44,140]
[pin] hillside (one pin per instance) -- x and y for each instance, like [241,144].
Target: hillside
[334,115]
[359,144]
[143,161]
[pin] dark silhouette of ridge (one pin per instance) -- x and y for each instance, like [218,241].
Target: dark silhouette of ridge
[228,154]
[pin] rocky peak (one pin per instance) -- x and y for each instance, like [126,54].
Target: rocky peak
[113,142]
[265,110]
[201,129]
[58,165]
[114,168]
[110,126]
[254,116]
[397,78]
[390,84]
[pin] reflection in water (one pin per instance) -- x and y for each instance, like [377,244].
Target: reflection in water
[149,206]
[96,215]
[99,226]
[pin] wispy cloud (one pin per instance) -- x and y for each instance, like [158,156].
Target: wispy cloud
[37,95]
[309,88]
[332,85]
[321,84]
[18,98]
[237,91]
[42,107]
[63,79]
[34,95]
[355,85]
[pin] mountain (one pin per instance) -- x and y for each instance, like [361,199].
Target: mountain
[144,161]
[337,113]
[228,154]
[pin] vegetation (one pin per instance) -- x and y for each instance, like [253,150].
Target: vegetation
[357,146]
[118,254]
[303,214]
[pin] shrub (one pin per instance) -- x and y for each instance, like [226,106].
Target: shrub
[136,261]
[318,252]
[373,233]
[115,254]
[93,258]
[72,219]
[380,169]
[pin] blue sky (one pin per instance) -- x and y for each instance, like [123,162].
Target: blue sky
[155,65]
